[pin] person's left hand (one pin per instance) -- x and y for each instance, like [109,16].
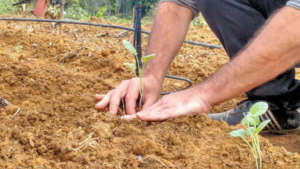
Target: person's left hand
[173,105]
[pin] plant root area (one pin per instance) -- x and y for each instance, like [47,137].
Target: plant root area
[49,75]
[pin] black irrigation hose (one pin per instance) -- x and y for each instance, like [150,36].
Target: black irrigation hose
[116,27]
[190,83]
[102,25]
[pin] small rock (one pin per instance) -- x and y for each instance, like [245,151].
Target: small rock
[139,157]
[34,45]
[3,103]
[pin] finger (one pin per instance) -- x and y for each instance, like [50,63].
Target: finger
[99,96]
[148,103]
[152,113]
[116,97]
[161,111]
[129,117]
[149,116]
[104,102]
[131,98]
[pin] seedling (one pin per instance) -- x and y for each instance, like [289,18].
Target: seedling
[139,68]
[254,127]
[18,48]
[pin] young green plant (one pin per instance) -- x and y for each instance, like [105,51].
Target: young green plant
[139,68]
[250,135]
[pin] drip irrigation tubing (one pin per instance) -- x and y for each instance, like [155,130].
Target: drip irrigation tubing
[189,82]
[103,25]
[116,27]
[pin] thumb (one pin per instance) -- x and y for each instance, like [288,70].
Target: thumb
[150,116]
[149,102]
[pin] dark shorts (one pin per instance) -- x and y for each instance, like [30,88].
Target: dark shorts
[235,23]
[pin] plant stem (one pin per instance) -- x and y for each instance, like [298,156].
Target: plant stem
[141,75]
[252,148]
[255,153]
[140,78]
[259,151]
[257,145]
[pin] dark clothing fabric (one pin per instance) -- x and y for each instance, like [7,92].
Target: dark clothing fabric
[235,22]
[194,4]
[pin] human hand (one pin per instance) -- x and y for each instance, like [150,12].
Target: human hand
[129,90]
[177,104]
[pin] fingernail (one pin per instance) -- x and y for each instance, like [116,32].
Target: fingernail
[128,117]
[100,95]
[98,104]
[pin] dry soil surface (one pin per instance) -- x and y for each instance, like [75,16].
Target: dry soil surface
[50,74]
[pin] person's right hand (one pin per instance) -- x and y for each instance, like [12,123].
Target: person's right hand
[129,91]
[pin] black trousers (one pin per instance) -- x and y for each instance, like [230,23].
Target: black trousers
[235,23]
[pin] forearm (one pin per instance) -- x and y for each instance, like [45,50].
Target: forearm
[167,35]
[274,50]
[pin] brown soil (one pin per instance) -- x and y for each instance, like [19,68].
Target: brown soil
[52,74]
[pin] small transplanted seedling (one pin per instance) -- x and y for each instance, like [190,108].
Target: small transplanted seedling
[133,67]
[18,48]
[254,127]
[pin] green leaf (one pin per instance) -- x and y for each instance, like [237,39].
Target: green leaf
[262,125]
[248,120]
[132,66]
[256,121]
[259,108]
[18,48]
[101,12]
[238,133]
[145,59]
[129,47]
[250,131]
[245,122]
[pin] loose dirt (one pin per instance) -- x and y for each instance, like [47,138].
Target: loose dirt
[50,73]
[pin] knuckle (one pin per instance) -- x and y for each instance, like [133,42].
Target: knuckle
[114,104]
[131,82]
[111,92]
[115,97]
[163,101]
[124,82]
[129,98]
[132,95]
[134,81]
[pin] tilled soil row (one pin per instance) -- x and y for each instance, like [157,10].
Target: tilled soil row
[49,75]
